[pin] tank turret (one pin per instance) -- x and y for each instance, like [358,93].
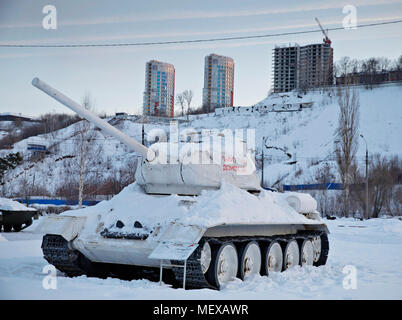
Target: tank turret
[187,173]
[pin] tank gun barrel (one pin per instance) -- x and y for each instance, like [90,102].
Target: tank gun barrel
[133,144]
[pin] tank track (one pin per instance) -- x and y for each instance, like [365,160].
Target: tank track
[195,279]
[72,263]
[57,252]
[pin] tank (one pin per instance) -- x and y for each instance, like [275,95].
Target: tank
[15,219]
[195,216]
[14,215]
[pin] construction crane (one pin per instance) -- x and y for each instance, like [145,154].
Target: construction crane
[326,39]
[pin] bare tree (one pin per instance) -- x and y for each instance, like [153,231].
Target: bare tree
[344,66]
[346,137]
[369,71]
[324,175]
[355,65]
[384,64]
[47,123]
[370,68]
[180,101]
[384,176]
[398,63]
[86,148]
[119,178]
[188,96]
[25,186]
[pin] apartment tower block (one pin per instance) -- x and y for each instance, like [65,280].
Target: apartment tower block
[159,89]
[218,82]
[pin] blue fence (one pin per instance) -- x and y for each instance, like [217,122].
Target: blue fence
[58,202]
[36,147]
[320,186]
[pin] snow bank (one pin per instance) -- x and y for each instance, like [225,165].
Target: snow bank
[11,205]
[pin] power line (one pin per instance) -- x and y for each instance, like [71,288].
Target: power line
[188,41]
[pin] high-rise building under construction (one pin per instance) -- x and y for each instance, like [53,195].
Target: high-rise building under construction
[302,67]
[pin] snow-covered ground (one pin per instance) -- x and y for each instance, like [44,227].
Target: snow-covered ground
[373,247]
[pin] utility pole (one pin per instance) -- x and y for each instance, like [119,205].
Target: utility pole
[264,140]
[367,194]
[143,135]
[262,162]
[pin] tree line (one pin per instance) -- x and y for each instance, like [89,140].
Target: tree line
[384,174]
[47,123]
[367,72]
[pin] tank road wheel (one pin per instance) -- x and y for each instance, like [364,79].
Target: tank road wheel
[321,248]
[291,256]
[17,227]
[306,253]
[224,264]
[7,228]
[249,260]
[272,258]
[205,258]
[316,241]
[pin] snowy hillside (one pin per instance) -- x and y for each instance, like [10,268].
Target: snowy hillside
[307,135]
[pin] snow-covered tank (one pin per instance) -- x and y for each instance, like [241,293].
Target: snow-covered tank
[14,215]
[206,221]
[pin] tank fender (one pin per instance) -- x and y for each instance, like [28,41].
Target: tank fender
[66,226]
[182,233]
[320,227]
[177,242]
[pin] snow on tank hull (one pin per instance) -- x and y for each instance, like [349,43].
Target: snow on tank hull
[93,241]
[136,251]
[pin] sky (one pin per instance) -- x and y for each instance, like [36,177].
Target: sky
[115,77]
